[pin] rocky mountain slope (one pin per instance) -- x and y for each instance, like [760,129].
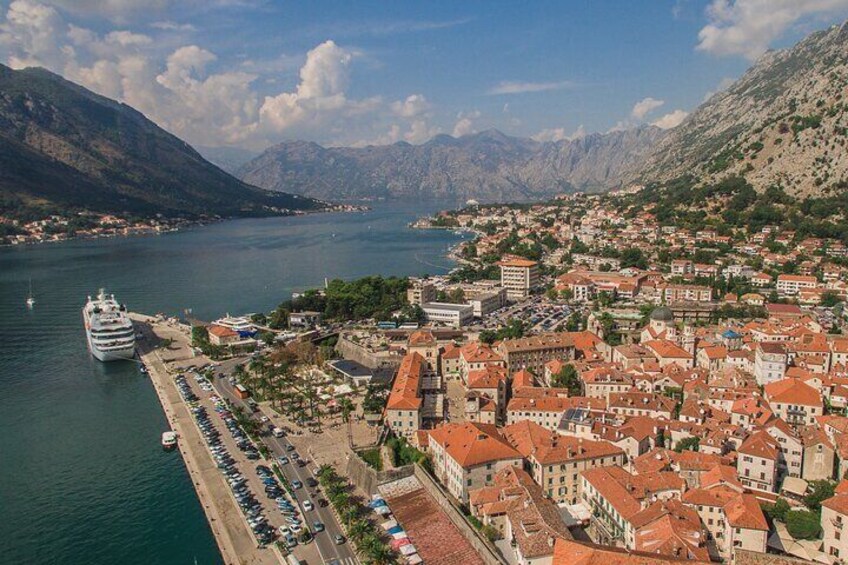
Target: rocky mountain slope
[782,123]
[487,166]
[62,146]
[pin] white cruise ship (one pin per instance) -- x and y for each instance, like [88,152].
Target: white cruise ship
[108,329]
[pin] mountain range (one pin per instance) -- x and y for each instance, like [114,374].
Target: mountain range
[487,166]
[783,123]
[64,147]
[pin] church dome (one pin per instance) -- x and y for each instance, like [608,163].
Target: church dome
[662,314]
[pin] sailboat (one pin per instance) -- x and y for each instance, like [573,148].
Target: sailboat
[30,301]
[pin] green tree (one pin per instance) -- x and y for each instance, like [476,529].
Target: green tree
[803,524]
[830,298]
[778,510]
[569,378]
[688,444]
[817,492]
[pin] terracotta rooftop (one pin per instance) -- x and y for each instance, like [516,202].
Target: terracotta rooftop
[471,444]
[406,387]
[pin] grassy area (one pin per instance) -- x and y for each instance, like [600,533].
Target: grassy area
[372,458]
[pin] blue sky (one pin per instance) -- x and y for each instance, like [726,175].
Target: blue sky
[254,72]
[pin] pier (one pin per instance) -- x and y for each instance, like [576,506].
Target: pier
[234,538]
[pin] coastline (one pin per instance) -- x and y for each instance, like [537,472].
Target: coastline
[235,542]
[178,225]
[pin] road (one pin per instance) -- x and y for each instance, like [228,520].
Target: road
[324,541]
[234,538]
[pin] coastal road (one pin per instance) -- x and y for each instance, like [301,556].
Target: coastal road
[324,541]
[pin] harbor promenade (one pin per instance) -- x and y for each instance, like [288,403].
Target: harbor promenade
[234,539]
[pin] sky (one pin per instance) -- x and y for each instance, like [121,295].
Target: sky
[252,73]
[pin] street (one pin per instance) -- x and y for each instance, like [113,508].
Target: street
[324,541]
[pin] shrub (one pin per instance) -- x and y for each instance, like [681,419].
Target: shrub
[803,524]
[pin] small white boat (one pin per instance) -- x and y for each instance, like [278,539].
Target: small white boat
[30,301]
[169,440]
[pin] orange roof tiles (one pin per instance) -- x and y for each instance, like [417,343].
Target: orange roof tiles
[406,387]
[793,391]
[471,444]
[568,552]
[760,444]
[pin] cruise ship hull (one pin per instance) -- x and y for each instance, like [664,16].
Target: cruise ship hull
[112,354]
[109,332]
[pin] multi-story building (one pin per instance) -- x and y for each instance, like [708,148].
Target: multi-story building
[455,315]
[425,344]
[834,522]
[420,291]
[403,408]
[555,461]
[790,285]
[642,512]
[518,509]
[733,519]
[533,352]
[641,404]
[466,456]
[757,462]
[519,277]
[687,293]
[770,360]
[795,402]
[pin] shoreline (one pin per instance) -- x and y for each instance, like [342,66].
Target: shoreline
[235,542]
[183,225]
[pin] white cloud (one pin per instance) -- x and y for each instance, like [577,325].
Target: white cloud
[748,27]
[671,120]
[464,126]
[645,107]
[511,87]
[168,25]
[30,34]
[193,94]
[127,38]
[559,134]
[414,105]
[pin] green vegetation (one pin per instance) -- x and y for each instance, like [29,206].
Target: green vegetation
[369,542]
[513,329]
[733,204]
[375,398]
[372,458]
[403,453]
[688,444]
[470,273]
[568,378]
[369,297]
[803,524]
[817,492]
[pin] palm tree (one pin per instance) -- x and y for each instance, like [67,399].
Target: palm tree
[381,554]
[347,407]
[358,531]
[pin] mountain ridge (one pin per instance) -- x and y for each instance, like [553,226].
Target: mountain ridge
[64,146]
[782,123]
[487,166]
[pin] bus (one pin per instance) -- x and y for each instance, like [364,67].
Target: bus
[387,325]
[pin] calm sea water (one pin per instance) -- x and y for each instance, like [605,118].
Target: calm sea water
[82,476]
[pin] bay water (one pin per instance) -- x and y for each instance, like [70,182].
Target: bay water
[83,478]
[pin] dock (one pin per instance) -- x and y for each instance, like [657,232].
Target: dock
[234,538]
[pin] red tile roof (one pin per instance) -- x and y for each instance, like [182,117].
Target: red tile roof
[471,444]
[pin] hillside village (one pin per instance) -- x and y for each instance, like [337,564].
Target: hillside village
[640,392]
